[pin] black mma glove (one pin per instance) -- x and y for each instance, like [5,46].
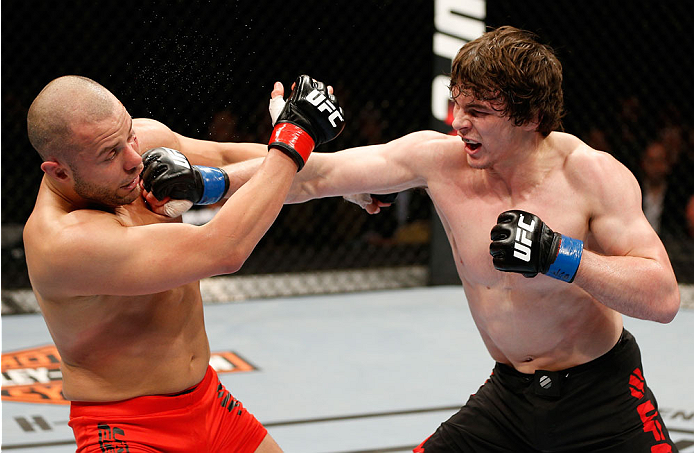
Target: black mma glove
[167,173]
[522,243]
[310,118]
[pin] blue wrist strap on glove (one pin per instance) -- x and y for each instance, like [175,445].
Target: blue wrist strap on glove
[566,263]
[215,184]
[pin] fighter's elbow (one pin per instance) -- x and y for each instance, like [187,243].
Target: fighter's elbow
[232,263]
[669,306]
[229,258]
[666,317]
[303,191]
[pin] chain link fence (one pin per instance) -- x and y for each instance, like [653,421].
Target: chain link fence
[206,68]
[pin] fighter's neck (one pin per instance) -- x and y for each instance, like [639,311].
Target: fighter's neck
[524,167]
[66,197]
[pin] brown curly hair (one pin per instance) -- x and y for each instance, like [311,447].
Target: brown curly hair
[519,76]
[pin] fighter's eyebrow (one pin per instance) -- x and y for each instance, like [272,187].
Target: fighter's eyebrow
[108,147]
[476,105]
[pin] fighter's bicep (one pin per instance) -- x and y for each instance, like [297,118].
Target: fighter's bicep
[118,260]
[376,169]
[618,223]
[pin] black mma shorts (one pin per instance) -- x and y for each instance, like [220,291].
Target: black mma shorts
[601,406]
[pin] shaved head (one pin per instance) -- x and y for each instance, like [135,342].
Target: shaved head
[63,103]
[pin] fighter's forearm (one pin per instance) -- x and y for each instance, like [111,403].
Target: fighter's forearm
[246,216]
[302,189]
[240,173]
[354,171]
[634,286]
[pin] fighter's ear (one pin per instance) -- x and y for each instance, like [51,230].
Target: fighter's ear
[532,125]
[55,170]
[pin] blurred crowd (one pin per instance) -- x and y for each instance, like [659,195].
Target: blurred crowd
[659,150]
[658,147]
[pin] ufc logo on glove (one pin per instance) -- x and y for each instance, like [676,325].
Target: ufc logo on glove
[301,125]
[529,248]
[523,243]
[318,99]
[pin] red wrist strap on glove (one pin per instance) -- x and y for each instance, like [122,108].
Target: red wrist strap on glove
[289,137]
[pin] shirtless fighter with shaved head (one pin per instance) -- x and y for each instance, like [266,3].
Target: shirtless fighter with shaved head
[552,248]
[127,322]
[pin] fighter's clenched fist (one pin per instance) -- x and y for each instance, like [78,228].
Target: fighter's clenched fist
[168,174]
[311,116]
[523,243]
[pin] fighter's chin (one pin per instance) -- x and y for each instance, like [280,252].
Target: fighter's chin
[131,195]
[478,164]
[134,194]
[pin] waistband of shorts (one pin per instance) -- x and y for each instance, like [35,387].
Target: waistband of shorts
[143,405]
[509,371]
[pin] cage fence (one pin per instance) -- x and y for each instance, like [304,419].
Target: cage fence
[206,68]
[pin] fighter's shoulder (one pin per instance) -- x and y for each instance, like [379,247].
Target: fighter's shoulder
[79,226]
[591,168]
[54,238]
[431,137]
[581,160]
[427,142]
[152,133]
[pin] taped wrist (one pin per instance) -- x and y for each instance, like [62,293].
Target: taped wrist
[565,264]
[293,141]
[215,183]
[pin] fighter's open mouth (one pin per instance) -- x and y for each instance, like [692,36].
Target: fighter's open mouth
[473,145]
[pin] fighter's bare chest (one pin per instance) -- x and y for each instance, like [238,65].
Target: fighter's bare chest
[468,217]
